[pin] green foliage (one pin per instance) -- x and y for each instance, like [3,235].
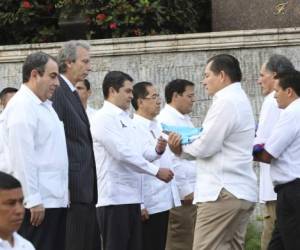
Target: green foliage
[252,241]
[31,21]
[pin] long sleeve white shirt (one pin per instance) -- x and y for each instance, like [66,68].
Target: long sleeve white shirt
[269,115]
[224,150]
[185,171]
[284,145]
[120,159]
[5,166]
[37,149]
[19,243]
[158,195]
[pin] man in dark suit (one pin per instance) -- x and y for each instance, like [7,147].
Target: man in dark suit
[82,229]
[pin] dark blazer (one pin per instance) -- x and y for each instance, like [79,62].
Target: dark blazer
[82,166]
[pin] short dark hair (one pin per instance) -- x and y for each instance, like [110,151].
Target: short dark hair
[279,64]
[8,182]
[36,61]
[7,90]
[176,86]
[290,79]
[87,84]
[139,91]
[114,79]
[227,63]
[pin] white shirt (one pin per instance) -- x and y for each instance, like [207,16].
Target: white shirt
[185,171]
[224,150]
[269,115]
[158,195]
[19,243]
[5,166]
[120,160]
[90,112]
[284,145]
[37,149]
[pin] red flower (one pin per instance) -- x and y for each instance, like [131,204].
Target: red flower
[26,4]
[101,17]
[113,26]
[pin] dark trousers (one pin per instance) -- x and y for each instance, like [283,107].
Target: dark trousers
[286,234]
[50,234]
[155,231]
[121,227]
[82,231]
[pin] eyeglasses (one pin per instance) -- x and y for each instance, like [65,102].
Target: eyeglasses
[153,97]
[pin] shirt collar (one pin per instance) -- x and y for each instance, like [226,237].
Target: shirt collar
[114,109]
[144,121]
[71,86]
[228,89]
[175,112]
[14,239]
[34,97]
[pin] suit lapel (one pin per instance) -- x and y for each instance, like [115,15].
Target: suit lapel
[74,101]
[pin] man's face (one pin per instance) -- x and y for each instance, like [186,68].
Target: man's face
[123,97]
[48,82]
[185,101]
[6,98]
[83,92]
[82,65]
[150,105]
[266,80]
[11,210]
[212,82]
[281,96]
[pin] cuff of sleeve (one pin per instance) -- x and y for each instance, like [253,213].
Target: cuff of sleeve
[33,200]
[271,151]
[152,169]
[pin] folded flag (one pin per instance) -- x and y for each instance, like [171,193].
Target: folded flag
[188,134]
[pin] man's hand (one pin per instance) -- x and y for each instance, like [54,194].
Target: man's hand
[161,145]
[165,174]
[174,143]
[188,199]
[37,215]
[145,214]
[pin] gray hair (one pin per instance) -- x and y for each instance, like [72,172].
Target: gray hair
[68,52]
[279,64]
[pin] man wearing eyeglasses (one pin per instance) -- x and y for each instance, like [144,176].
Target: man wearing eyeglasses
[159,197]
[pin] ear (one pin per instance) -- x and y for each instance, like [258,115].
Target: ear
[290,92]
[34,73]
[89,92]
[222,75]
[111,91]
[139,101]
[68,63]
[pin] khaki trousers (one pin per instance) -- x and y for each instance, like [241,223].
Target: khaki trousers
[269,217]
[222,224]
[181,228]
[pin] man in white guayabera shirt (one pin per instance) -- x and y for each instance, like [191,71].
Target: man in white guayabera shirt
[11,214]
[281,150]
[180,97]
[226,188]
[121,161]
[159,197]
[38,154]
[269,115]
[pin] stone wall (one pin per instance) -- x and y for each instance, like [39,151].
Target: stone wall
[160,59]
